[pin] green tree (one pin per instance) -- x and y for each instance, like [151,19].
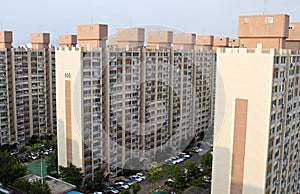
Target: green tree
[206,160]
[71,174]
[155,174]
[126,191]
[191,167]
[99,177]
[10,168]
[52,164]
[23,149]
[135,188]
[38,187]
[22,185]
[35,147]
[197,182]
[177,174]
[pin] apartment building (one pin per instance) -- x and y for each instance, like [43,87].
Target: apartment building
[28,100]
[126,101]
[256,134]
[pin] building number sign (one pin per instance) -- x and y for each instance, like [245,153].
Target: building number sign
[67,75]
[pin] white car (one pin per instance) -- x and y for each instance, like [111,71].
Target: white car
[180,160]
[141,176]
[137,178]
[122,184]
[113,190]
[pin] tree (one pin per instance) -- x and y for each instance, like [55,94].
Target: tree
[35,148]
[22,185]
[126,191]
[71,174]
[5,148]
[10,168]
[155,174]
[191,167]
[135,188]
[52,164]
[99,177]
[38,187]
[197,182]
[22,149]
[206,160]
[177,174]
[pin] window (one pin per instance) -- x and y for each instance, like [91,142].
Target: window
[246,20]
[269,20]
[291,26]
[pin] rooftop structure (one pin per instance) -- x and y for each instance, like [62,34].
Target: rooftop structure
[266,31]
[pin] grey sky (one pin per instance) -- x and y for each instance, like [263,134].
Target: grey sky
[216,17]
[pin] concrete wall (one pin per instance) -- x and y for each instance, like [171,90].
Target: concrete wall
[69,63]
[263,26]
[67,40]
[242,75]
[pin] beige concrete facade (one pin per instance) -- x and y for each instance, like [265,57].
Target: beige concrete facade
[27,91]
[6,39]
[67,40]
[184,41]
[267,31]
[234,43]
[220,42]
[92,35]
[270,155]
[69,70]
[39,40]
[293,41]
[152,99]
[204,42]
[160,39]
[130,37]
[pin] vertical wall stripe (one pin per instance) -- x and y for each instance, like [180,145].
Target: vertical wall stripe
[68,120]
[239,142]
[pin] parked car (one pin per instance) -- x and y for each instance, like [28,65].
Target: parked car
[138,179]
[197,149]
[113,190]
[141,176]
[123,184]
[131,181]
[118,187]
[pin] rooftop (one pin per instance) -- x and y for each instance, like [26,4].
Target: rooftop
[56,185]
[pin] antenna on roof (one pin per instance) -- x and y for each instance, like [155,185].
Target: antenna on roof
[130,21]
[264,7]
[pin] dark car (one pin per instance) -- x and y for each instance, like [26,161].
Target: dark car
[118,187]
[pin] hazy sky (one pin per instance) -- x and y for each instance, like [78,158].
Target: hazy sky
[216,17]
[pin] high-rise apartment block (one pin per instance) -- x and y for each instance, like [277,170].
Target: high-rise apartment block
[256,135]
[27,89]
[125,102]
